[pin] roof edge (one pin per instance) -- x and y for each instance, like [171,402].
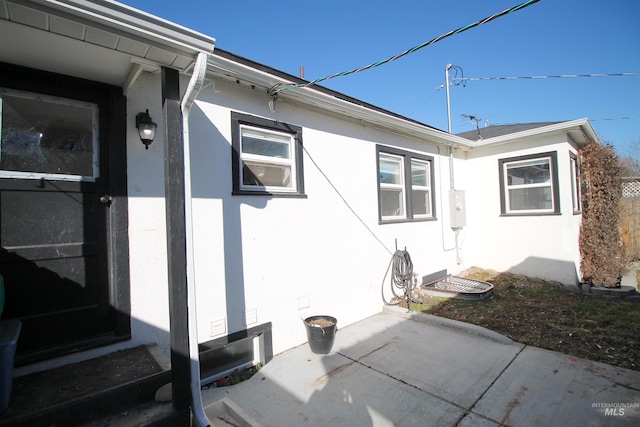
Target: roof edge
[330,100]
[132,21]
[580,131]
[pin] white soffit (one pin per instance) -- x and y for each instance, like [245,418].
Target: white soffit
[66,27]
[47,51]
[106,24]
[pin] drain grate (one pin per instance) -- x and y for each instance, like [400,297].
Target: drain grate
[458,287]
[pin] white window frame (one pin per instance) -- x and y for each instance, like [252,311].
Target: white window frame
[268,160]
[406,187]
[279,131]
[401,187]
[427,188]
[552,184]
[576,194]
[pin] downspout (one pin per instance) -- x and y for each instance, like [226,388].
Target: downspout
[442,225]
[452,188]
[195,84]
[451,174]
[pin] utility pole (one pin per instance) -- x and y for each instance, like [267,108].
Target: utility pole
[446,77]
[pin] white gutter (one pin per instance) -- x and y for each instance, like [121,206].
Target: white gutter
[582,127]
[310,96]
[580,130]
[195,84]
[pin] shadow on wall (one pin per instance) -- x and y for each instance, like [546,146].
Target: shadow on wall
[565,272]
[211,179]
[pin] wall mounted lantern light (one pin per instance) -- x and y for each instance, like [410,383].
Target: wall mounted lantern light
[146,128]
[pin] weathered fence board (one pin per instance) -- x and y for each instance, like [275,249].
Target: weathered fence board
[630,218]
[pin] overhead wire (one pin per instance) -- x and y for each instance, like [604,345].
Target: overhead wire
[615,118]
[462,80]
[280,87]
[560,76]
[345,200]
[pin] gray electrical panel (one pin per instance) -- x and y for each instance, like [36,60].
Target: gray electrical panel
[457,209]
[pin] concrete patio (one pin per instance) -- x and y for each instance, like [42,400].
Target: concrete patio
[410,369]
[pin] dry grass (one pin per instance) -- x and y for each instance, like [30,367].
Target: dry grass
[537,313]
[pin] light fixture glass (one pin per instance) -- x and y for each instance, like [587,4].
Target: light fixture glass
[146,128]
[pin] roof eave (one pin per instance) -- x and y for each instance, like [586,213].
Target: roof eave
[580,130]
[132,21]
[226,65]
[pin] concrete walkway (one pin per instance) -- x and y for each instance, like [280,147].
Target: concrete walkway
[411,369]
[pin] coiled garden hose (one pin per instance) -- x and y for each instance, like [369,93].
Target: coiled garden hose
[401,278]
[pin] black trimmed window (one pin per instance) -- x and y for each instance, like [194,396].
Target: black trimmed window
[405,186]
[529,184]
[266,156]
[576,196]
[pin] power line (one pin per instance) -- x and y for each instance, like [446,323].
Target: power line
[615,118]
[280,87]
[561,76]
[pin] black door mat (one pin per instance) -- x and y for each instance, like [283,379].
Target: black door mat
[58,387]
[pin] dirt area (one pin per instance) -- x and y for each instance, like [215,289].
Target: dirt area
[319,323]
[544,314]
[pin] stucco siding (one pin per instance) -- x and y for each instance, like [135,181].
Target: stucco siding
[265,259]
[543,246]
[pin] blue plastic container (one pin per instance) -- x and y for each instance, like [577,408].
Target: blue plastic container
[9,333]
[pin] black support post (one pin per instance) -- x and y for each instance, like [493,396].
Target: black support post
[176,240]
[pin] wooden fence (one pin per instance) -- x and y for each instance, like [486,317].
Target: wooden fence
[630,218]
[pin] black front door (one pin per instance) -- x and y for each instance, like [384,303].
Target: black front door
[59,197]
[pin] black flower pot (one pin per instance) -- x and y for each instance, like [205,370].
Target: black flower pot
[321,333]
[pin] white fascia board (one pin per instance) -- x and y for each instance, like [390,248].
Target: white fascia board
[376,118]
[133,21]
[580,130]
[332,104]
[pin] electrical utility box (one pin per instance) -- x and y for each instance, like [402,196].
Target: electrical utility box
[457,209]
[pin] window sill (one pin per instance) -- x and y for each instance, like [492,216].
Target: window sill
[405,220]
[268,194]
[532,214]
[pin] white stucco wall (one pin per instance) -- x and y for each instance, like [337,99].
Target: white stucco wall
[268,259]
[544,246]
[147,220]
[260,259]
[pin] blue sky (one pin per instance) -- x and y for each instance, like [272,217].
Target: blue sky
[551,37]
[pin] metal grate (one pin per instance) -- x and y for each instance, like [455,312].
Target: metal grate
[458,287]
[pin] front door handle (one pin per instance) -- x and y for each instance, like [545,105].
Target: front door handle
[106,200]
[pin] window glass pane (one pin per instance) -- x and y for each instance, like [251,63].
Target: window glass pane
[530,198]
[266,175]
[419,173]
[391,202]
[391,170]
[529,172]
[46,135]
[421,202]
[232,356]
[266,144]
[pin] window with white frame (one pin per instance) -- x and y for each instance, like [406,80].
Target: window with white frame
[575,183]
[405,185]
[267,157]
[529,184]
